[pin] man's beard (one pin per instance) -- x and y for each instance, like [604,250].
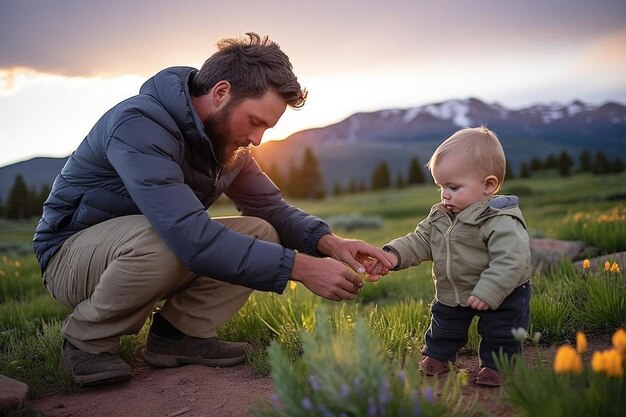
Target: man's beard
[227,150]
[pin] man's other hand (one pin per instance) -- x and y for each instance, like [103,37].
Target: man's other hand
[326,277]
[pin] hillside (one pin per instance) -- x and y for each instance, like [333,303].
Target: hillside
[352,148]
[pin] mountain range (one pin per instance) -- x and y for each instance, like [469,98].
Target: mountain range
[350,149]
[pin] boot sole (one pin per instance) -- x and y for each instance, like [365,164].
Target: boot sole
[104,378]
[172,361]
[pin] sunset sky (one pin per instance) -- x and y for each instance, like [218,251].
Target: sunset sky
[65,62]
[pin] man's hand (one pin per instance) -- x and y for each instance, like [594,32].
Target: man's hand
[349,251]
[326,277]
[476,303]
[374,268]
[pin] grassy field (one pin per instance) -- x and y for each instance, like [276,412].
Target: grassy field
[394,311]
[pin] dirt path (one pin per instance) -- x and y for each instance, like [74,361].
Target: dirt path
[190,391]
[198,391]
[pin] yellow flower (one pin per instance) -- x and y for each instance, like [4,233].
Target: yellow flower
[567,360]
[615,267]
[608,362]
[619,341]
[581,342]
[293,285]
[607,266]
[586,264]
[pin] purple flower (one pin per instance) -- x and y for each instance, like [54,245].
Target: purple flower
[306,404]
[315,386]
[344,391]
[428,394]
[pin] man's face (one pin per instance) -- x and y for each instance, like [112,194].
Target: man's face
[239,124]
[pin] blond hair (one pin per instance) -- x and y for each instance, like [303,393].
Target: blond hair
[479,146]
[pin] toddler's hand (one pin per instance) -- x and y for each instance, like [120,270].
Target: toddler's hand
[476,303]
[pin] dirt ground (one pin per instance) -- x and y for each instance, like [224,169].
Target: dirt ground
[198,391]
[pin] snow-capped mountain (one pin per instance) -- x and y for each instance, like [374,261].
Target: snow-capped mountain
[352,147]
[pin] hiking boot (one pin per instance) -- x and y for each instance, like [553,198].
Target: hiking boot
[88,369]
[488,377]
[169,353]
[431,366]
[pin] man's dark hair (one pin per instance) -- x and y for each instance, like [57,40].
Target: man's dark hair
[252,66]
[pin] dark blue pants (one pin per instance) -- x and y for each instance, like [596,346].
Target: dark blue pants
[449,326]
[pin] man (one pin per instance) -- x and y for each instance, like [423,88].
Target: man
[126,224]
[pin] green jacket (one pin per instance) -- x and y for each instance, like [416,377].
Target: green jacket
[482,251]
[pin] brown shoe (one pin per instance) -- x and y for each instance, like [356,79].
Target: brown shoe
[169,353]
[431,366]
[488,377]
[88,369]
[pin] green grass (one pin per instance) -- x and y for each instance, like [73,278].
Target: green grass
[394,308]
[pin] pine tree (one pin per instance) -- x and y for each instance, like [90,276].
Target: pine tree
[312,177]
[536,164]
[617,166]
[400,182]
[600,164]
[306,181]
[565,163]
[380,177]
[524,171]
[551,162]
[509,171]
[416,174]
[18,204]
[585,161]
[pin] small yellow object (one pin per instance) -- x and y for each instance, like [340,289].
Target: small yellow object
[293,285]
[581,342]
[586,264]
[615,267]
[619,341]
[567,360]
[609,362]
[607,266]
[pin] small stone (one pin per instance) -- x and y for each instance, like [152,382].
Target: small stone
[12,393]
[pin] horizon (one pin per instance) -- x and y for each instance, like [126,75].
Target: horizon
[64,64]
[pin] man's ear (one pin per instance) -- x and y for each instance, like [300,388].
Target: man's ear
[491,184]
[220,93]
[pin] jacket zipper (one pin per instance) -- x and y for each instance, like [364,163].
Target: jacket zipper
[446,238]
[217,176]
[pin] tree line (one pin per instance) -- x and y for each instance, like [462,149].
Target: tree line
[306,181]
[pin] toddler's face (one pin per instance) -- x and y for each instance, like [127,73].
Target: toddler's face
[460,185]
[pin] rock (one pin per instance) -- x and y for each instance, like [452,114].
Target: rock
[12,393]
[548,252]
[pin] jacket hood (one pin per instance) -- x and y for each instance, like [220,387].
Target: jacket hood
[170,87]
[482,210]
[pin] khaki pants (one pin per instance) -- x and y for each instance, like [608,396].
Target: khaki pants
[113,273]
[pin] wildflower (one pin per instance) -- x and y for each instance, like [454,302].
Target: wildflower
[536,337]
[429,395]
[293,285]
[615,267]
[306,404]
[607,266]
[567,360]
[608,362]
[17,264]
[519,334]
[619,341]
[416,403]
[581,342]
[401,377]
[586,264]
[344,391]
[315,386]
